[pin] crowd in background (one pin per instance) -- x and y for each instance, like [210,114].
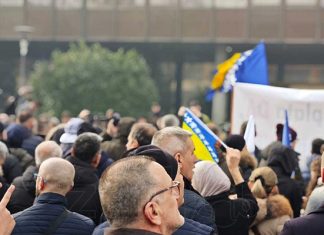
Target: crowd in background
[84,175]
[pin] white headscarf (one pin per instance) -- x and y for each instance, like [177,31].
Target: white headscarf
[209,179]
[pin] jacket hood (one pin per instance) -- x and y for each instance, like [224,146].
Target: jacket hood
[284,158]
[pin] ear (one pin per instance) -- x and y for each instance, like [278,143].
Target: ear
[152,213]
[134,144]
[96,159]
[179,159]
[40,184]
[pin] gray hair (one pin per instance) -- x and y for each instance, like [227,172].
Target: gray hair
[46,150]
[171,139]
[3,151]
[168,120]
[124,188]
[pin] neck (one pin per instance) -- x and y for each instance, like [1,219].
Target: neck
[53,191]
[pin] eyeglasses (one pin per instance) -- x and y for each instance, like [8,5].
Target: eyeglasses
[175,188]
[41,177]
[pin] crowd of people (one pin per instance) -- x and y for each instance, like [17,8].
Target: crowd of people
[122,175]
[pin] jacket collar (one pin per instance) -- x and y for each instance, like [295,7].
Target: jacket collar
[129,231]
[51,198]
[220,196]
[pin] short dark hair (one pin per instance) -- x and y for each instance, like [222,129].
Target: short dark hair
[24,116]
[86,146]
[143,133]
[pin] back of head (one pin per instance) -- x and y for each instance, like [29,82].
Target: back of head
[168,120]
[264,179]
[124,126]
[143,133]
[279,132]
[24,116]
[171,139]
[316,146]
[86,146]
[46,150]
[57,174]
[283,158]
[209,179]
[124,187]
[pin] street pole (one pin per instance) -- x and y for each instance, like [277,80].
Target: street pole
[23,31]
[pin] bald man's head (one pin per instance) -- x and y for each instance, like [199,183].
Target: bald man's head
[55,175]
[46,150]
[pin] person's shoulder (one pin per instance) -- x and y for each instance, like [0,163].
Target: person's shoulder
[81,220]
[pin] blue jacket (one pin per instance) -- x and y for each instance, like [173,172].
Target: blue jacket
[48,206]
[195,207]
[191,227]
[308,224]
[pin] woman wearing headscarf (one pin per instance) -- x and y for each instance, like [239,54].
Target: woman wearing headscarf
[274,209]
[232,216]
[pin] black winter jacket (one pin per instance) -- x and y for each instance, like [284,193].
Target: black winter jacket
[84,197]
[234,216]
[48,206]
[24,194]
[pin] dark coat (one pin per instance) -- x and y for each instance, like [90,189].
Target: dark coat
[24,194]
[191,227]
[128,231]
[11,168]
[283,161]
[84,197]
[196,207]
[234,216]
[48,206]
[308,224]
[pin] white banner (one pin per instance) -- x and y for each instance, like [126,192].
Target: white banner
[267,105]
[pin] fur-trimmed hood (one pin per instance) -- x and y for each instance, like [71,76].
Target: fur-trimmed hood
[273,207]
[248,161]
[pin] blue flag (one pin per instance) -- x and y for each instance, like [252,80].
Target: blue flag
[248,67]
[286,136]
[254,69]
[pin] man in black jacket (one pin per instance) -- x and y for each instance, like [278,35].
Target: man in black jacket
[49,215]
[84,197]
[178,143]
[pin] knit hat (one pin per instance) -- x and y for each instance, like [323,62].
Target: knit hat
[292,136]
[235,141]
[163,158]
[16,134]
